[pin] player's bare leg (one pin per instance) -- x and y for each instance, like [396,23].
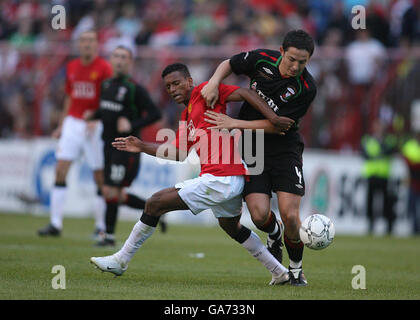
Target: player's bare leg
[112,200]
[164,201]
[136,202]
[98,176]
[100,205]
[289,211]
[250,241]
[159,203]
[259,206]
[58,196]
[169,200]
[61,170]
[265,220]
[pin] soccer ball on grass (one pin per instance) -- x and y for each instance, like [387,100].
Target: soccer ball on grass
[317,231]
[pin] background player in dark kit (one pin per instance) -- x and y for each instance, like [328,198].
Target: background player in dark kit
[282,80]
[121,107]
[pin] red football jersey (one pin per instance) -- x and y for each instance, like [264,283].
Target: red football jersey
[83,84]
[217,150]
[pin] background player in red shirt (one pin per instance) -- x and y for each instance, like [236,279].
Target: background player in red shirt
[221,181]
[83,79]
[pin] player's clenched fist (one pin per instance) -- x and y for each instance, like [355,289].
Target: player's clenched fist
[282,123]
[129,144]
[210,93]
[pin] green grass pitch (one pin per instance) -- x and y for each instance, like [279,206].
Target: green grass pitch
[167,266]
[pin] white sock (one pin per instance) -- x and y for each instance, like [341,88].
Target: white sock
[295,265]
[57,201]
[140,233]
[259,251]
[99,212]
[109,236]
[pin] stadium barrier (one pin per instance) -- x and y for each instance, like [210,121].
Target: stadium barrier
[334,186]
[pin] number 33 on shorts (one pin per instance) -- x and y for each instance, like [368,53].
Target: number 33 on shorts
[117,173]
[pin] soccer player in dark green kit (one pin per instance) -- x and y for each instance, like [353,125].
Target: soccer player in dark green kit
[282,80]
[124,108]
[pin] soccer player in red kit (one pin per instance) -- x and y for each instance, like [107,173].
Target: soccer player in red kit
[83,79]
[222,177]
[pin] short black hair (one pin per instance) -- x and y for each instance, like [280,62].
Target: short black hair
[299,39]
[176,67]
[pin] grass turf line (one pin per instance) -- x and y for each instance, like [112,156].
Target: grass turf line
[165,267]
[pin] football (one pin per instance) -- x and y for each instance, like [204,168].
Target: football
[317,231]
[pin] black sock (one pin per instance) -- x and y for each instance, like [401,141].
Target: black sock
[149,220]
[270,227]
[294,249]
[111,214]
[134,202]
[270,224]
[242,235]
[60,184]
[277,234]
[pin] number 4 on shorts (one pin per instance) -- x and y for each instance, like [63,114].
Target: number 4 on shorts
[299,174]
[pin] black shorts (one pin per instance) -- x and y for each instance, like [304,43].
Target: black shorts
[121,167]
[281,173]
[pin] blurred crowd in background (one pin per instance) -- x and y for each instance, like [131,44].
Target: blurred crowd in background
[362,75]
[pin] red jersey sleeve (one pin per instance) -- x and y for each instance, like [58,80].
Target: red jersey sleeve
[225,91]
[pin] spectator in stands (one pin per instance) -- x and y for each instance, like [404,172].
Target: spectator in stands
[245,23]
[364,58]
[410,30]
[339,20]
[128,24]
[401,24]
[377,22]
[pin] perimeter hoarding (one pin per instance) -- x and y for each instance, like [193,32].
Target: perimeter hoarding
[334,186]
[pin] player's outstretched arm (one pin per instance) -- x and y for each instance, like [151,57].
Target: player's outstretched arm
[223,121]
[165,151]
[128,144]
[242,94]
[210,92]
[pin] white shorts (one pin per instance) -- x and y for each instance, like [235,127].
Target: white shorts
[223,195]
[75,139]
